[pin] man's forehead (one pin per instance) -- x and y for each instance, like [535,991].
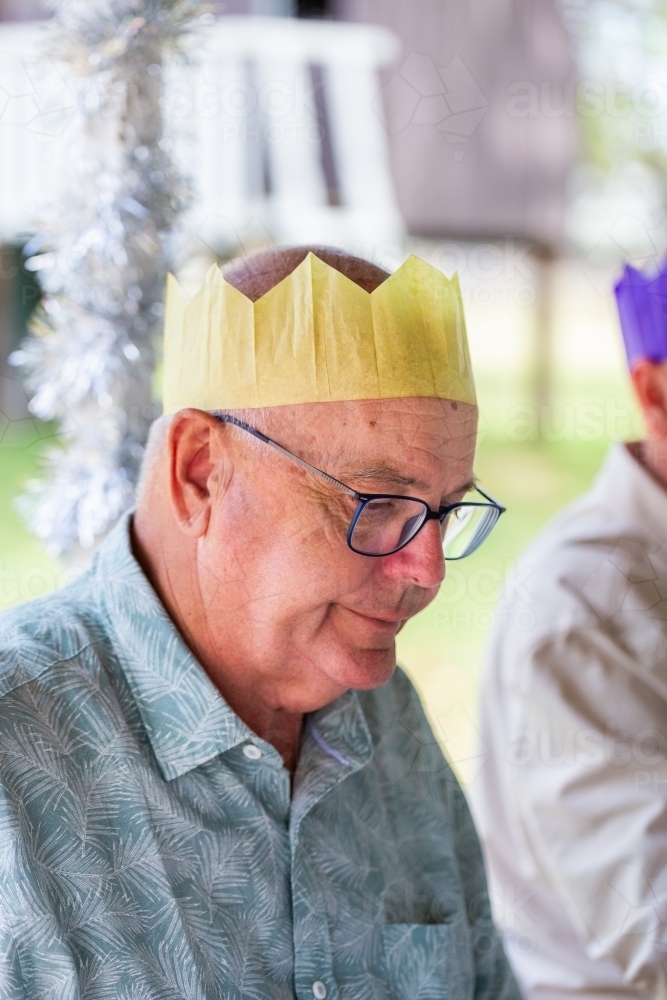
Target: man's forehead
[393,445]
[447,415]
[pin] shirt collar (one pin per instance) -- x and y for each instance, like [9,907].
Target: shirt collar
[186,719]
[336,743]
[625,486]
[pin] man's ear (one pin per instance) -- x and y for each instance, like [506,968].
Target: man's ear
[650,382]
[195,459]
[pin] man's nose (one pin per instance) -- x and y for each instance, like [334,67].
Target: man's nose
[422,561]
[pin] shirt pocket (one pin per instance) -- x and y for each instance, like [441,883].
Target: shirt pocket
[428,961]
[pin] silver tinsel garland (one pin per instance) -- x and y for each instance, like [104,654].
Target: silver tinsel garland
[102,259]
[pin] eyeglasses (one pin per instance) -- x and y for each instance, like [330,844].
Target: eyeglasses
[384,523]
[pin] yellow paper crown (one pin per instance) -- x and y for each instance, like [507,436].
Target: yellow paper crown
[316,337]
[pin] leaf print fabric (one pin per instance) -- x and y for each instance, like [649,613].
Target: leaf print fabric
[145,855]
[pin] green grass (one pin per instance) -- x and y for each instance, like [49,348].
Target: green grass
[442,648]
[26,571]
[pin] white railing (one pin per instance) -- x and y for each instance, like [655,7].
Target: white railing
[247,126]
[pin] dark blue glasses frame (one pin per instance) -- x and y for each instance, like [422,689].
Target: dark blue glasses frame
[364,499]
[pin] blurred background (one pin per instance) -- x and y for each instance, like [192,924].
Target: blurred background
[521,143]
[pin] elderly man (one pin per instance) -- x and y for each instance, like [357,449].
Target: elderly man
[214,781]
[572,801]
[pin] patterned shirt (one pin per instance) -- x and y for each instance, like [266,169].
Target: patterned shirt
[151,847]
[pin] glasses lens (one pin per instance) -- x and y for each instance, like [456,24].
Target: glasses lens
[386,524]
[465,529]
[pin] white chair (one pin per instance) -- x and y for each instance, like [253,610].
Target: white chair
[247,129]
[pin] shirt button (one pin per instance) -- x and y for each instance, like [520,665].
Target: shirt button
[252,752]
[319,990]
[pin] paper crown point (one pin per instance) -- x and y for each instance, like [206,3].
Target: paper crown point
[316,336]
[642,308]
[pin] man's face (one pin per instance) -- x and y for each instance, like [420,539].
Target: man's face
[283,594]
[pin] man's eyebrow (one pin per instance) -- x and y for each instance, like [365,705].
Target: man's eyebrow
[388,476]
[384,475]
[470,484]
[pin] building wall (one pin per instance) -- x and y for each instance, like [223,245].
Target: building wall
[480,112]
[21,10]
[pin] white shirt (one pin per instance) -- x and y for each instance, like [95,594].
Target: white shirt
[571,803]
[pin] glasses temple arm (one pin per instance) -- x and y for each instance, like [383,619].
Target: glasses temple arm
[225,418]
[487,496]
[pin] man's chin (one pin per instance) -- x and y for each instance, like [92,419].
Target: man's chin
[360,650]
[369,668]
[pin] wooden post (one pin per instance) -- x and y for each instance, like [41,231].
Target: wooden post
[542,375]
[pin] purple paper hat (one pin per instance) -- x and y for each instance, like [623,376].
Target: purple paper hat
[642,309]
